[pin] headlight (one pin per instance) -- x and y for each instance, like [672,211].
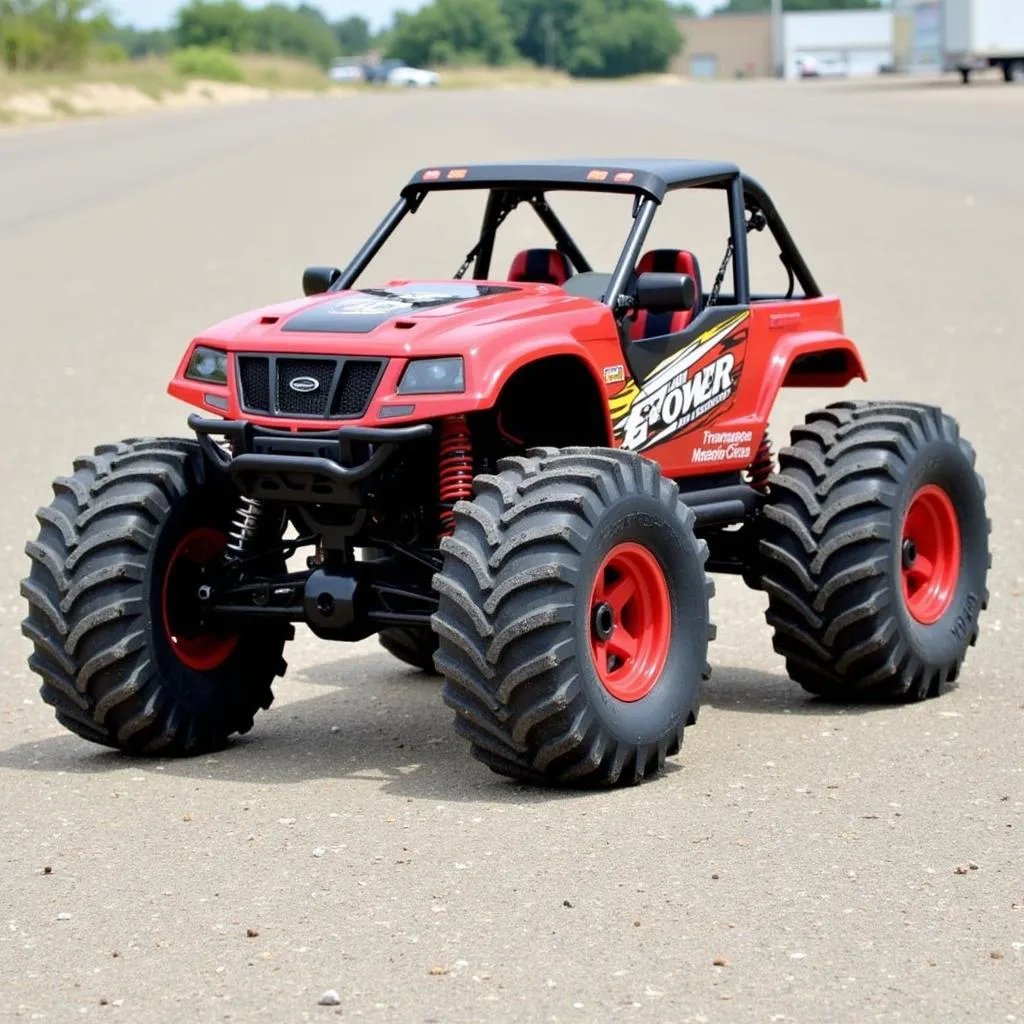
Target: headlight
[433,376]
[209,365]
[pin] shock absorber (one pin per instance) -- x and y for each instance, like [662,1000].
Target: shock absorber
[455,468]
[762,466]
[243,529]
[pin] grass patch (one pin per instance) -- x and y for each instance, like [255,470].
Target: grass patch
[152,76]
[270,72]
[156,76]
[208,63]
[517,76]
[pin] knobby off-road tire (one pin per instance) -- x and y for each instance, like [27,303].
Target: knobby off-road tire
[97,598]
[869,497]
[530,601]
[410,644]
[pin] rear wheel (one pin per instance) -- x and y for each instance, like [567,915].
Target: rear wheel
[413,645]
[573,618]
[125,656]
[874,552]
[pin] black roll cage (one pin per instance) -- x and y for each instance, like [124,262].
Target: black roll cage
[744,195]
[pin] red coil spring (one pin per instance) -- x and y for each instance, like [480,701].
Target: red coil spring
[763,465]
[455,468]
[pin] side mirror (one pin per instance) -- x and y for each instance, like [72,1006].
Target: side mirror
[659,292]
[317,280]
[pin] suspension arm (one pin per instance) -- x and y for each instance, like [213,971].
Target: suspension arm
[280,598]
[347,602]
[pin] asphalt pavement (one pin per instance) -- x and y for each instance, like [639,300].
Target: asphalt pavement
[796,862]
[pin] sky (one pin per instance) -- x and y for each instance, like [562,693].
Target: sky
[160,13]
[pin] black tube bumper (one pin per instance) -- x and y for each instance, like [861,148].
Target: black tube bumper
[314,467]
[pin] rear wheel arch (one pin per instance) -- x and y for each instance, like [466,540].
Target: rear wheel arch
[819,361]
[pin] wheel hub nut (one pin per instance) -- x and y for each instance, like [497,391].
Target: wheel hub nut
[909,553]
[604,621]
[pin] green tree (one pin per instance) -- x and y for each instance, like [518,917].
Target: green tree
[138,43]
[595,38]
[227,24]
[544,30]
[22,43]
[453,31]
[615,38]
[312,12]
[48,33]
[279,29]
[354,36]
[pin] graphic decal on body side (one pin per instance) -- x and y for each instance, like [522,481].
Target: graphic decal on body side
[685,390]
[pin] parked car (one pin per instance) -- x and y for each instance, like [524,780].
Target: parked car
[379,74]
[347,72]
[820,67]
[413,77]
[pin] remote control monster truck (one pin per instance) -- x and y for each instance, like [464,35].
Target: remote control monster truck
[520,481]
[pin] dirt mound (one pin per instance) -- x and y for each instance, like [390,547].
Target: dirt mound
[107,98]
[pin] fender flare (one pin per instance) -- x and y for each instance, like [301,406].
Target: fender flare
[809,359]
[540,351]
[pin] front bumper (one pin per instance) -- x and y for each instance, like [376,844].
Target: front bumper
[323,467]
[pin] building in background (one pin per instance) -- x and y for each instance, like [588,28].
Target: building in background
[842,43]
[726,46]
[849,43]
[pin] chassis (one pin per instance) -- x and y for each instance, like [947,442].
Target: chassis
[521,483]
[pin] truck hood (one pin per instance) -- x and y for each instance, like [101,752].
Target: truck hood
[395,318]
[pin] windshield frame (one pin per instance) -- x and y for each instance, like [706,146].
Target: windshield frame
[502,199]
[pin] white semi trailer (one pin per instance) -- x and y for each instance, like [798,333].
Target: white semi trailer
[979,34]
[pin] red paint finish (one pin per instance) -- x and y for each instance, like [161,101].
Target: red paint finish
[776,343]
[496,335]
[195,647]
[764,360]
[931,554]
[630,622]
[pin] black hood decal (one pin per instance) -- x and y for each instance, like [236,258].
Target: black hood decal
[363,311]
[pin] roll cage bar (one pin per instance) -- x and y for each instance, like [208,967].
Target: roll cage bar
[745,195]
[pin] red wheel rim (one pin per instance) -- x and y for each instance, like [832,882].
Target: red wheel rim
[195,646]
[630,622]
[930,553]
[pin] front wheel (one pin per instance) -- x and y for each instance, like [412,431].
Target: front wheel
[573,618]
[124,654]
[874,552]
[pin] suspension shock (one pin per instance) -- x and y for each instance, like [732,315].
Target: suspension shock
[243,529]
[455,469]
[763,465]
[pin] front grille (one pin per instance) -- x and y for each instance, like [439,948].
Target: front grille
[254,375]
[307,387]
[294,402]
[357,382]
